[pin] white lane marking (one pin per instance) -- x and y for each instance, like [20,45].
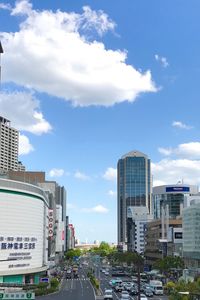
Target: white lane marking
[71,284]
[116,295]
[81,287]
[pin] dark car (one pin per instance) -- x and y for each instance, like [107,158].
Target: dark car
[76,275]
[68,274]
[133,291]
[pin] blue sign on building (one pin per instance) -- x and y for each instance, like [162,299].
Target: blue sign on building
[44,279]
[177,189]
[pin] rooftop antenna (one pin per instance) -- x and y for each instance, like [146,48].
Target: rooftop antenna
[1,51]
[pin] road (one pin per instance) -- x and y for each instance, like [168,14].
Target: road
[81,289]
[73,289]
[116,296]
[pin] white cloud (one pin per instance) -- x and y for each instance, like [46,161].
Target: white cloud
[169,171]
[5,6]
[50,53]
[162,60]
[97,209]
[22,7]
[23,110]
[181,125]
[187,150]
[81,176]
[110,174]
[98,20]
[56,172]
[165,151]
[24,145]
[71,206]
[112,193]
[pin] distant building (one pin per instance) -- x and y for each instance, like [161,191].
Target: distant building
[71,236]
[175,197]
[191,235]
[9,140]
[158,246]
[134,192]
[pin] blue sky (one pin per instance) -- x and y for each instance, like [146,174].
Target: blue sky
[87,82]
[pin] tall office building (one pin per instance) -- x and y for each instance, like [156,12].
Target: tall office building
[9,143]
[134,199]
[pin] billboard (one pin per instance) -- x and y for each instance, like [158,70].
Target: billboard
[177,189]
[50,222]
[21,231]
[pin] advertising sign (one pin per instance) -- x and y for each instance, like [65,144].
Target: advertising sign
[21,232]
[44,279]
[177,189]
[50,222]
[18,296]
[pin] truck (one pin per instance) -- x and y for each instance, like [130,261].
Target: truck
[156,286]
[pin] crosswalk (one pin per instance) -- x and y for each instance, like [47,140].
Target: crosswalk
[77,279]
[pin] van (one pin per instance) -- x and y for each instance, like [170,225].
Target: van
[156,287]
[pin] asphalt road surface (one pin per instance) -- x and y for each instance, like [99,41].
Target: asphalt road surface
[81,289]
[73,289]
[116,296]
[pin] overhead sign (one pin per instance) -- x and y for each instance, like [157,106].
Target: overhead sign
[177,189]
[18,296]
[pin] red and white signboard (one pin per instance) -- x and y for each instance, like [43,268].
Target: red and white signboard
[50,222]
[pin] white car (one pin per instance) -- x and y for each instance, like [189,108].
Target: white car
[143,297]
[125,295]
[106,273]
[108,294]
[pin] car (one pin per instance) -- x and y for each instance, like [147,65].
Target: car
[68,274]
[125,295]
[133,291]
[106,273]
[108,294]
[143,297]
[148,292]
[76,275]
[128,285]
[119,288]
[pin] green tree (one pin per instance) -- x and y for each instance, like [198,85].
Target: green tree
[72,253]
[103,250]
[168,263]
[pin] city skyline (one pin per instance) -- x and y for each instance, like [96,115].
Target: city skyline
[121,77]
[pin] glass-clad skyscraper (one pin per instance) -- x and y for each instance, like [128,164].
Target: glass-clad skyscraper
[134,188]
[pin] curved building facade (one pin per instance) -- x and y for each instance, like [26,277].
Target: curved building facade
[174,196]
[23,232]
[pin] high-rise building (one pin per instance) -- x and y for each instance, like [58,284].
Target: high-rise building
[134,191]
[9,144]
